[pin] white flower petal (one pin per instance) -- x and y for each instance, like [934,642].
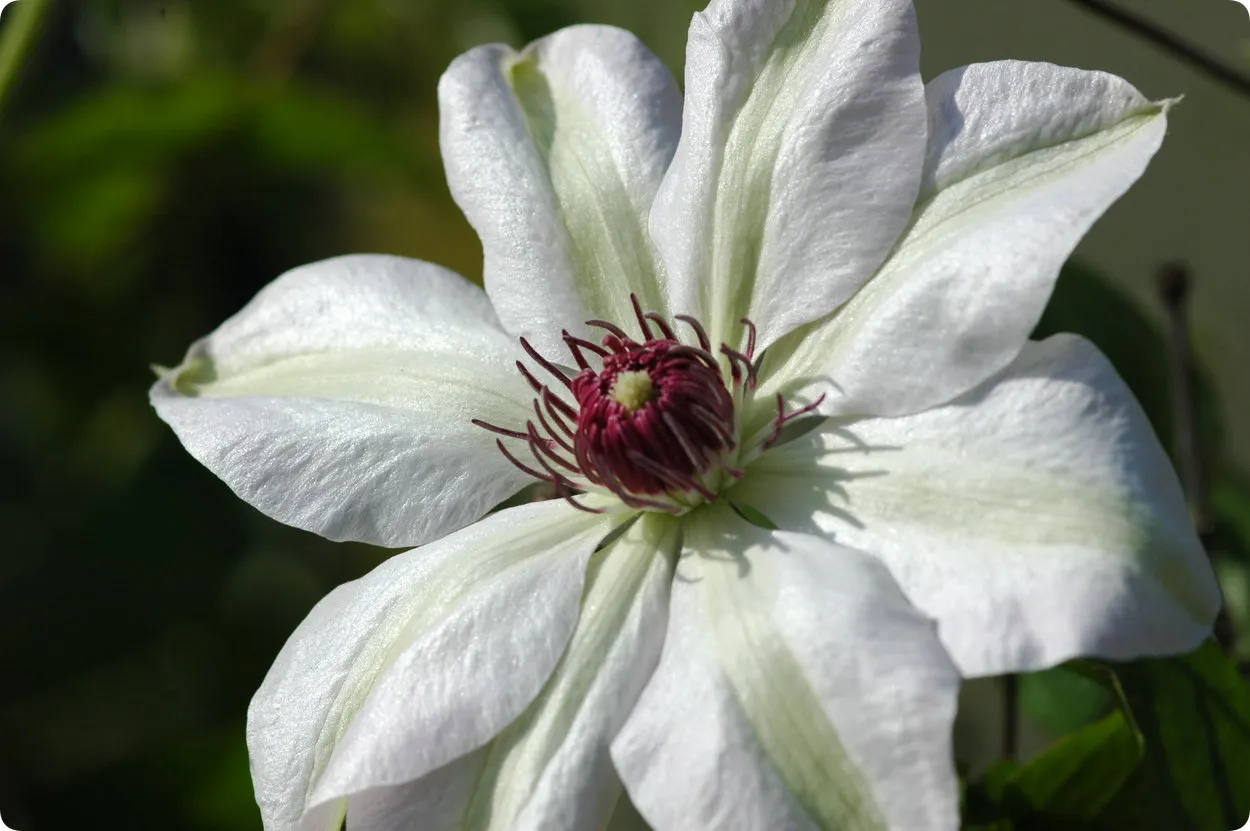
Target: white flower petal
[435,802]
[800,157]
[1023,158]
[419,662]
[797,689]
[550,769]
[1036,518]
[555,155]
[339,400]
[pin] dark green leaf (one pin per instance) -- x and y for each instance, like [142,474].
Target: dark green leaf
[753,516]
[1061,700]
[1230,497]
[983,799]
[1175,756]
[1071,783]
[1194,714]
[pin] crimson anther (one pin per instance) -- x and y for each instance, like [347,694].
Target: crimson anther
[654,420]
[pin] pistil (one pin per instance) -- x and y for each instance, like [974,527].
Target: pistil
[654,422]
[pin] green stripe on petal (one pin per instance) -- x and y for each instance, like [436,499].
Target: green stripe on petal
[801,155]
[784,711]
[609,657]
[340,399]
[754,144]
[549,769]
[610,249]
[1023,158]
[1035,517]
[798,689]
[555,154]
[397,626]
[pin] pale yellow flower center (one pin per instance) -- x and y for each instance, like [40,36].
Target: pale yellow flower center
[632,389]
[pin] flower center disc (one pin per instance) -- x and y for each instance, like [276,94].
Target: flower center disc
[654,420]
[632,389]
[654,425]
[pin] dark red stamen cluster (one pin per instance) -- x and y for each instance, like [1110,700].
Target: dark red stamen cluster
[671,440]
[646,450]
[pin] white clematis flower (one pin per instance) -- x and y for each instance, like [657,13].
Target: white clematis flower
[813,232]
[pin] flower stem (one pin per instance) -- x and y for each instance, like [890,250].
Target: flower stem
[1169,42]
[1011,717]
[1174,283]
[16,40]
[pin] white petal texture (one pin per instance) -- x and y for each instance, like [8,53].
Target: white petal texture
[339,400]
[555,155]
[797,689]
[550,769]
[1035,518]
[973,503]
[418,663]
[1022,159]
[801,154]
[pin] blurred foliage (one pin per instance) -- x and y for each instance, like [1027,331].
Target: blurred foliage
[1173,755]
[160,163]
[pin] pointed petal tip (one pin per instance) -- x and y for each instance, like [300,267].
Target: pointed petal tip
[340,400]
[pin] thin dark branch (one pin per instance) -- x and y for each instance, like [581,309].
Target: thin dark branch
[1174,45]
[1174,283]
[1011,717]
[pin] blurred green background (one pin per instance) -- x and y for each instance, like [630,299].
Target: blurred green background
[161,161]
